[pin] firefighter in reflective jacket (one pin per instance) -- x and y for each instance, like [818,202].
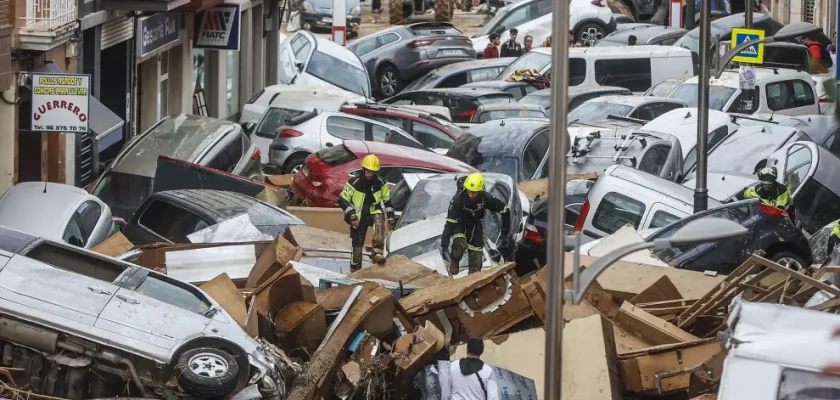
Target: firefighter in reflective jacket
[363,200]
[464,224]
[770,192]
[833,238]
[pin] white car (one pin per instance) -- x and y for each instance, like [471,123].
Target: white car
[293,140]
[646,108]
[303,97]
[306,58]
[590,20]
[57,212]
[780,91]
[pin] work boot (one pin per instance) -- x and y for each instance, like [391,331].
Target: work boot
[378,258]
[355,267]
[453,268]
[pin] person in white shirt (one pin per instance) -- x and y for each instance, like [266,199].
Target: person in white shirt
[470,378]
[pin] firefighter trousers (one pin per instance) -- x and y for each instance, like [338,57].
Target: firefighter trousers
[357,239]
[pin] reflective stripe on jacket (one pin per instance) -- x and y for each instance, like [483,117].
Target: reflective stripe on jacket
[352,198]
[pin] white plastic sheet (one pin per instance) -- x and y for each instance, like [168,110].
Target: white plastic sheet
[202,265]
[236,229]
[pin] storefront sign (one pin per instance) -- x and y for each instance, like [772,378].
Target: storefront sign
[156,31]
[218,28]
[60,103]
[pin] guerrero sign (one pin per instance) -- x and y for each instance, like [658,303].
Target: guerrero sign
[218,28]
[60,103]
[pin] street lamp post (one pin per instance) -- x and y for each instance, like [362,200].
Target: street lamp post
[557,193]
[701,191]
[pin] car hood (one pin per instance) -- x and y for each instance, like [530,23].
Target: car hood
[723,186]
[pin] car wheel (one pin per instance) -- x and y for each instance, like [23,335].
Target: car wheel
[390,82]
[590,33]
[790,261]
[295,163]
[207,372]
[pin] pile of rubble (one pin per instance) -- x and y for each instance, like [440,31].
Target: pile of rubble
[382,332]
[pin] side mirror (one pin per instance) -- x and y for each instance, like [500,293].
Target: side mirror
[299,66]
[248,127]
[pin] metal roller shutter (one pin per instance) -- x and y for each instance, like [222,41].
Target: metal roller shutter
[117,31]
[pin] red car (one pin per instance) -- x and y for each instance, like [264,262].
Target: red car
[432,130]
[324,173]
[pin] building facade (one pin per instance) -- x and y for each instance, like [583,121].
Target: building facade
[144,64]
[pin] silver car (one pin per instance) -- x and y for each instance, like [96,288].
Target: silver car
[102,320]
[206,141]
[297,138]
[57,211]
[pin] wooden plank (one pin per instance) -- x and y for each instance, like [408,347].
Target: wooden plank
[654,330]
[798,276]
[702,305]
[661,290]
[589,360]
[668,303]
[828,269]
[826,305]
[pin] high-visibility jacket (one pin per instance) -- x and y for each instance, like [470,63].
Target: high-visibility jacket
[833,238]
[779,197]
[352,198]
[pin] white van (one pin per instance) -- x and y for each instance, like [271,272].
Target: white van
[633,67]
[626,196]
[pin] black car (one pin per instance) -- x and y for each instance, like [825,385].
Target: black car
[769,229]
[515,147]
[517,89]
[532,244]
[577,95]
[318,15]
[645,35]
[171,215]
[462,103]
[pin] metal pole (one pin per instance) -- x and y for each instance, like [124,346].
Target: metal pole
[689,14]
[701,192]
[557,194]
[748,13]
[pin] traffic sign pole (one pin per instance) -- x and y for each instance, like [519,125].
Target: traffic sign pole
[748,13]
[339,23]
[676,13]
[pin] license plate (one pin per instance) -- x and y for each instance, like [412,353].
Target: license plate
[305,171]
[451,52]
[328,20]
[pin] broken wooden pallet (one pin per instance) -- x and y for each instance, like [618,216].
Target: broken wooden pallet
[757,279]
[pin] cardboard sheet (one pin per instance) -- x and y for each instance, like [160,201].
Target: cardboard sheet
[202,265]
[223,290]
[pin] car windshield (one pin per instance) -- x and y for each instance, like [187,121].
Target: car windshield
[741,152]
[514,113]
[598,111]
[182,137]
[532,60]
[718,95]
[487,29]
[338,72]
[501,165]
[537,99]
[274,119]
[418,248]
[429,198]
[662,89]
[425,81]
[123,192]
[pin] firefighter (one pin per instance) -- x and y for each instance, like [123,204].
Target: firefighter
[833,238]
[770,192]
[464,224]
[364,199]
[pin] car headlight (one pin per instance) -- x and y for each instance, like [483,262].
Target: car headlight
[356,11]
[307,6]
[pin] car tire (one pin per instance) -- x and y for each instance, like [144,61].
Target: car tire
[396,14]
[388,81]
[790,261]
[293,163]
[207,372]
[590,33]
[443,10]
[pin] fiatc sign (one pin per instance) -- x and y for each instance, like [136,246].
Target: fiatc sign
[753,54]
[60,103]
[218,28]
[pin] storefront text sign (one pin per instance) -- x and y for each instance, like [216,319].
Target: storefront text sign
[60,103]
[156,31]
[218,28]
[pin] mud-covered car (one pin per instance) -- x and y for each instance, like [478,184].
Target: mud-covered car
[83,325]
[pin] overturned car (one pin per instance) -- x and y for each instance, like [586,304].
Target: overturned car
[77,324]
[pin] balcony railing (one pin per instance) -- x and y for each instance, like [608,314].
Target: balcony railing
[49,14]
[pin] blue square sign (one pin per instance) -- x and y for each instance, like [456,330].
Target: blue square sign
[753,54]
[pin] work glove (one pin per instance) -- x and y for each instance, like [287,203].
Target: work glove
[444,254]
[391,222]
[354,221]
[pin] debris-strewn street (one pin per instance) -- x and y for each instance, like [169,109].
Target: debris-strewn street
[345,199]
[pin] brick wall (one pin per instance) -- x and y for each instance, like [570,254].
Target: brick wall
[6,75]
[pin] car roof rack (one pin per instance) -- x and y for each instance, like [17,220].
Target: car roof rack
[734,117]
[624,142]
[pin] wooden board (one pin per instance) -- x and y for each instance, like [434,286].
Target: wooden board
[589,360]
[652,329]
[224,291]
[661,290]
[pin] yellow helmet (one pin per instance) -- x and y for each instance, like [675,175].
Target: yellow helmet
[371,162]
[474,182]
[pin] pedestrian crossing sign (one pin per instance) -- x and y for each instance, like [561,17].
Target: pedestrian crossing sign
[753,54]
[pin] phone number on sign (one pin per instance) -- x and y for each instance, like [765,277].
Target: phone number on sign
[60,128]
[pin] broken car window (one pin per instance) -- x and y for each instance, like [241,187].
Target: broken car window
[335,156]
[616,211]
[274,118]
[158,289]
[795,384]
[79,263]
[338,72]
